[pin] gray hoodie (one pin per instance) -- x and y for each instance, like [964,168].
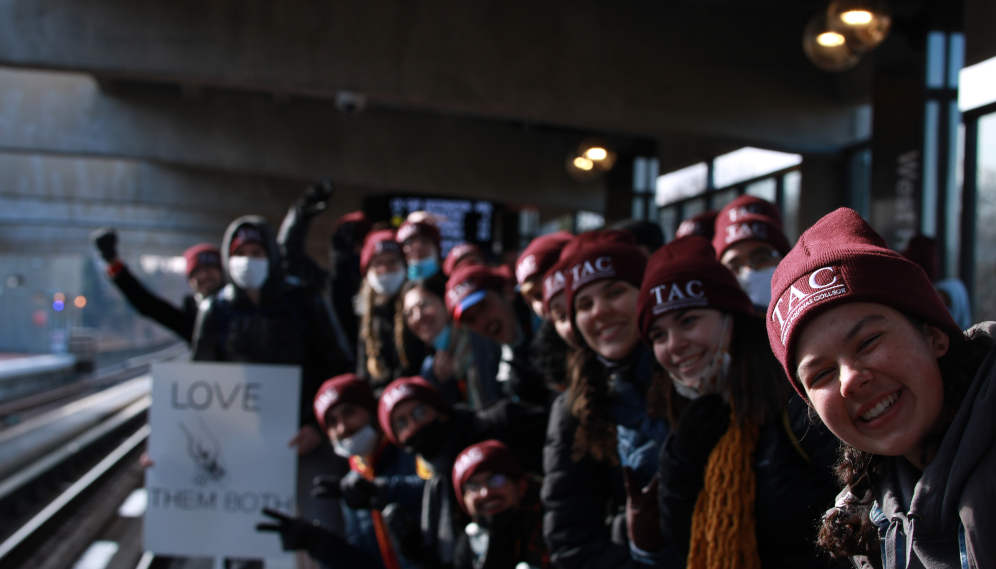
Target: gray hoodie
[946,517]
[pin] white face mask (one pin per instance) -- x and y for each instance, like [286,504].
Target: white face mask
[388,283]
[249,272]
[362,443]
[757,284]
[713,377]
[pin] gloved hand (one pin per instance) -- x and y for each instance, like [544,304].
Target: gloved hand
[358,492]
[105,240]
[642,513]
[295,533]
[316,197]
[406,531]
[703,423]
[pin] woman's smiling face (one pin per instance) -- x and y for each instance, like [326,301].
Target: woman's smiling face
[686,341]
[873,377]
[605,313]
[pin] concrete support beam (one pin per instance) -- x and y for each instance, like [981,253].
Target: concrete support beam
[42,112]
[726,71]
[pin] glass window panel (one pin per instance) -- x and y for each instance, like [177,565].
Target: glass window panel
[792,185]
[588,220]
[669,221]
[692,208]
[720,199]
[682,184]
[748,163]
[766,189]
[985,229]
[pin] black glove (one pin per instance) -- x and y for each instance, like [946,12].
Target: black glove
[406,532]
[296,533]
[358,492]
[642,513]
[703,423]
[105,240]
[317,196]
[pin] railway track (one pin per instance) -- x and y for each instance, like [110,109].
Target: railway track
[69,468]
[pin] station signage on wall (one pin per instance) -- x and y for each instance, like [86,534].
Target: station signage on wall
[218,446]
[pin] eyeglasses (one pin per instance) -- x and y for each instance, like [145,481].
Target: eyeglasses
[415,417]
[757,258]
[494,482]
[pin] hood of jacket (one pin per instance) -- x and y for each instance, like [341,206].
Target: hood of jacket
[947,494]
[272,251]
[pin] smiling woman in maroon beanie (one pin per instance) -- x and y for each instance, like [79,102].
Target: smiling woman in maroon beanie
[864,337]
[744,475]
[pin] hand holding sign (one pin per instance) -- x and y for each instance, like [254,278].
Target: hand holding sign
[320,542]
[306,440]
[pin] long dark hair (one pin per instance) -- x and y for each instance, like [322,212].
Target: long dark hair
[847,530]
[756,381]
[588,397]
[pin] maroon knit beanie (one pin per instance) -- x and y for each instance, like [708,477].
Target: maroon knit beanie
[703,225]
[489,456]
[541,253]
[600,255]
[410,229]
[745,205]
[685,274]
[839,260]
[468,285]
[553,284]
[458,253]
[748,227]
[342,389]
[246,233]
[376,243]
[202,255]
[401,390]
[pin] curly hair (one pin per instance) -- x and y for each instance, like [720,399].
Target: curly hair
[847,529]
[588,395]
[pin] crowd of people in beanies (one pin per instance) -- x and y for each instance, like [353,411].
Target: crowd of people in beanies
[724,400]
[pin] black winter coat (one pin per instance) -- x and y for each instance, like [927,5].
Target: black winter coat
[795,486]
[180,320]
[585,502]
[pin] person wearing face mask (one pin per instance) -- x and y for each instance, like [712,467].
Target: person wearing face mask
[744,474]
[462,364]
[506,528]
[415,416]
[864,337]
[379,360]
[380,474]
[261,318]
[421,243]
[203,275]
[482,300]
[749,241]
[601,431]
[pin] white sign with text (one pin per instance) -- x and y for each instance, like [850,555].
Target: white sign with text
[219,450]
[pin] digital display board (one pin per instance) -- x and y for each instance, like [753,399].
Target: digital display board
[460,220]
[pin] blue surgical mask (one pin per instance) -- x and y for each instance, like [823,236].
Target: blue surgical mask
[442,339]
[423,268]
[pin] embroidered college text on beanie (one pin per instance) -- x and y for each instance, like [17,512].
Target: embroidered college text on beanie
[541,254]
[401,390]
[459,253]
[747,205]
[376,243]
[344,388]
[246,233]
[202,255]
[839,260]
[750,227]
[600,255]
[685,274]
[488,456]
[468,285]
[703,225]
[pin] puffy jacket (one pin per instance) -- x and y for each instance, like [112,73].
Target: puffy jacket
[944,517]
[290,325]
[404,487]
[794,462]
[180,320]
